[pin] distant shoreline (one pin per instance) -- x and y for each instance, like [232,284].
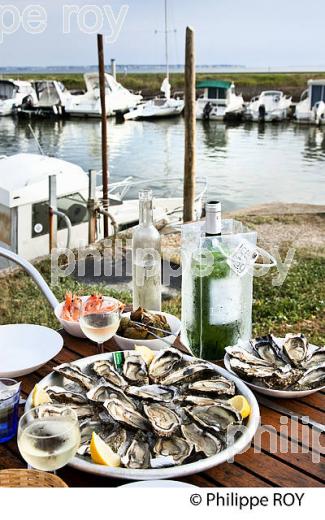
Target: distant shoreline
[249,84]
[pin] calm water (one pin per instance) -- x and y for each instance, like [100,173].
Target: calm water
[245,165]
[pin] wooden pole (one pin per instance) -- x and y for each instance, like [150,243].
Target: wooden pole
[53,219]
[190,128]
[101,70]
[92,207]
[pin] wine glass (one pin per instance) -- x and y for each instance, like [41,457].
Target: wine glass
[99,320]
[47,441]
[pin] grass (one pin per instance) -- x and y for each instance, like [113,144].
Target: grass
[149,83]
[298,305]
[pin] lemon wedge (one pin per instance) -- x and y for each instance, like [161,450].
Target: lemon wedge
[145,352]
[40,396]
[101,453]
[240,403]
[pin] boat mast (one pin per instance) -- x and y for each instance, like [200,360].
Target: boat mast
[166,40]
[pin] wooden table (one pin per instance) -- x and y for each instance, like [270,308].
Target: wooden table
[262,464]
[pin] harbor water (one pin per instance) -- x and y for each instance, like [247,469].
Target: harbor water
[244,165]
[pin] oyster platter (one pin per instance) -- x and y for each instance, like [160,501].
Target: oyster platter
[163,417]
[282,367]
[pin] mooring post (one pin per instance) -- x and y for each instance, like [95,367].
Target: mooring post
[101,71]
[53,219]
[113,67]
[92,207]
[190,128]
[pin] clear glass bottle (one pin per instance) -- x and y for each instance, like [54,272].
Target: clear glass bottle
[146,258]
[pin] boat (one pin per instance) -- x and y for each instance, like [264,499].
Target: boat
[52,97]
[270,105]
[14,94]
[159,107]
[218,101]
[118,98]
[24,209]
[311,108]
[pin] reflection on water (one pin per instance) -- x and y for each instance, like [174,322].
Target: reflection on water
[244,164]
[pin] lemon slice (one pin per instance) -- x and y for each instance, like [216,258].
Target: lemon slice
[101,453]
[240,403]
[40,396]
[145,352]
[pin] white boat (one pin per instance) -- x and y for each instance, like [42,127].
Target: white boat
[24,211]
[311,108]
[219,101]
[14,94]
[118,98]
[52,97]
[159,107]
[270,105]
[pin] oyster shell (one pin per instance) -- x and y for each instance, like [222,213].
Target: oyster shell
[135,370]
[105,390]
[195,399]
[125,414]
[105,369]
[314,358]
[137,455]
[189,372]
[243,355]
[266,348]
[164,363]
[50,410]
[295,348]
[314,377]
[176,447]
[159,393]
[216,386]
[163,420]
[74,373]
[117,440]
[248,371]
[203,441]
[216,417]
[84,450]
[59,394]
[87,427]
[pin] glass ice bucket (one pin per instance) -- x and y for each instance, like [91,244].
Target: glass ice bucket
[217,287]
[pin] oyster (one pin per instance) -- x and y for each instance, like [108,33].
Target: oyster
[217,416]
[163,420]
[105,369]
[158,393]
[266,348]
[176,447]
[282,379]
[135,370]
[125,414]
[164,363]
[61,395]
[117,440]
[87,427]
[249,371]
[315,357]
[314,377]
[218,385]
[195,399]
[105,390]
[137,455]
[74,373]
[243,355]
[189,372]
[295,348]
[203,441]
[84,450]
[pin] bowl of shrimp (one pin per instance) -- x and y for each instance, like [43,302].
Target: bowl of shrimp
[68,312]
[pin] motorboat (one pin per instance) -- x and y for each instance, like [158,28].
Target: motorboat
[14,94]
[218,101]
[52,98]
[270,105]
[118,98]
[158,107]
[311,108]
[24,206]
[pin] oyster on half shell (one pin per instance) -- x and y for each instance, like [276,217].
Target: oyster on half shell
[137,456]
[295,348]
[266,348]
[214,386]
[164,363]
[176,447]
[163,420]
[74,373]
[192,371]
[105,369]
[159,393]
[125,414]
[216,417]
[203,441]
[135,370]
[59,394]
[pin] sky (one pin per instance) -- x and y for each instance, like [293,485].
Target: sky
[255,33]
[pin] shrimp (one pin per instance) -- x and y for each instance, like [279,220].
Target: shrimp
[94,303]
[71,308]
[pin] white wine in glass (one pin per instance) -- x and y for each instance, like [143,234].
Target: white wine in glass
[101,324]
[48,443]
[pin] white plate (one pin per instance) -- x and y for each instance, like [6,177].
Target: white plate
[158,484]
[283,394]
[154,344]
[25,348]
[173,472]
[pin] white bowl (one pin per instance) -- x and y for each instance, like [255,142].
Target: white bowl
[72,327]
[154,344]
[170,472]
[271,392]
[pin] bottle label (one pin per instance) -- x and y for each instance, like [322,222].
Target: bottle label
[244,257]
